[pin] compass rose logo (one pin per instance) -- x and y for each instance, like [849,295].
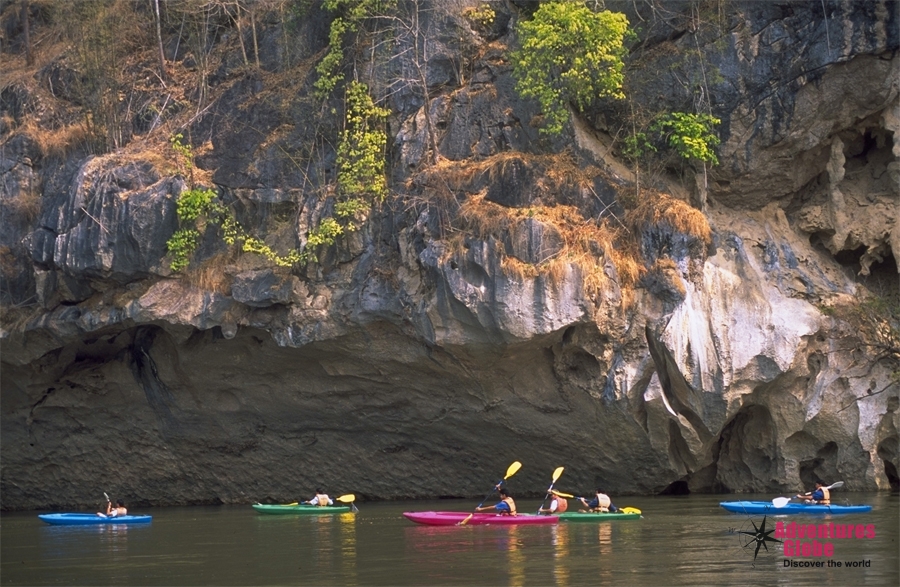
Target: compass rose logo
[757,538]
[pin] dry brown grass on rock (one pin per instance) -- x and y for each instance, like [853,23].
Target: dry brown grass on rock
[587,242]
[657,209]
[210,275]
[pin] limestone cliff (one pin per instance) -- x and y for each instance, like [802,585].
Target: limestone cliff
[422,354]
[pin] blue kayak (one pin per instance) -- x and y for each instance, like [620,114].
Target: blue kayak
[91,519]
[767,507]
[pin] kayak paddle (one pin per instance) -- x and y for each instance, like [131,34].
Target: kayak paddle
[101,514]
[509,473]
[349,498]
[780,502]
[556,475]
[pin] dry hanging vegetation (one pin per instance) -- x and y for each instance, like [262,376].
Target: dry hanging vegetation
[586,243]
[658,209]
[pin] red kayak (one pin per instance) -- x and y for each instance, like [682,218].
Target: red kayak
[453,518]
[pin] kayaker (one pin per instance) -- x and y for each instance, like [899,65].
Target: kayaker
[558,505]
[114,512]
[321,499]
[505,507]
[600,503]
[820,495]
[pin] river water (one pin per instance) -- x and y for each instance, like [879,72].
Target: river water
[680,541]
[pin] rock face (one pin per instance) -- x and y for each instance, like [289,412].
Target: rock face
[414,362]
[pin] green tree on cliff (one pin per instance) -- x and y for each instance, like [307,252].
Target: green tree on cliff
[569,55]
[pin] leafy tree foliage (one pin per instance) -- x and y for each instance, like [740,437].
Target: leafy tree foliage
[690,135]
[351,13]
[361,150]
[570,55]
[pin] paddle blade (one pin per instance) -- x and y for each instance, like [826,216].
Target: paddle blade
[466,520]
[630,510]
[835,485]
[561,494]
[349,498]
[780,502]
[558,473]
[106,496]
[513,468]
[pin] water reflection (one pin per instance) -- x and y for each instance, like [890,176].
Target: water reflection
[560,541]
[679,542]
[348,548]
[516,557]
[605,547]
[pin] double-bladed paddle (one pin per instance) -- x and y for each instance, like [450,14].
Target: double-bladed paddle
[509,473]
[780,502]
[108,502]
[556,475]
[349,498]
[625,510]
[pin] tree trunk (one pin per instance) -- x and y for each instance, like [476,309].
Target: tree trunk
[255,43]
[159,42]
[29,57]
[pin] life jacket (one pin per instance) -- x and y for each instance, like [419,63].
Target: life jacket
[603,502]
[561,504]
[512,505]
[322,499]
[826,496]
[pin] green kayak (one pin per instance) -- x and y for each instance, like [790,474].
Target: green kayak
[303,509]
[597,516]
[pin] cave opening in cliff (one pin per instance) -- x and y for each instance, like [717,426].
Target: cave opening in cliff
[822,468]
[679,487]
[891,472]
[888,453]
[747,457]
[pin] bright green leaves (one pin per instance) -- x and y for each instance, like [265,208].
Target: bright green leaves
[196,202]
[351,14]
[361,181]
[360,160]
[194,205]
[360,155]
[569,55]
[328,68]
[198,208]
[690,135]
[181,246]
[325,233]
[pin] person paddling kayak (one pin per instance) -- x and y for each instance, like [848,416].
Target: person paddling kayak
[821,495]
[321,499]
[505,507]
[558,505]
[600,503]
[114,512]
